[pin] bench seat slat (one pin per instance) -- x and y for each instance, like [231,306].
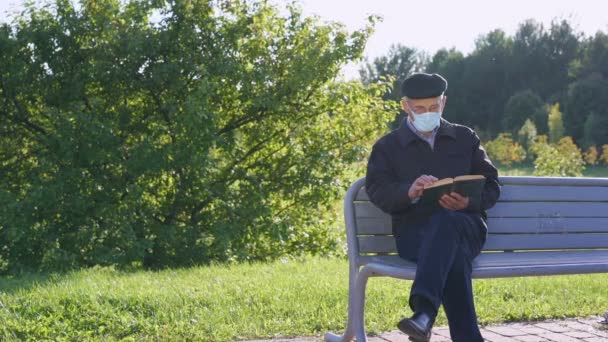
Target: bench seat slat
[507,259]
[546,241]
[489,265]
[547,225]
[386,243]
[383,226]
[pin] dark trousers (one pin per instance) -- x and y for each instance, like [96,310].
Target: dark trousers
[443,247]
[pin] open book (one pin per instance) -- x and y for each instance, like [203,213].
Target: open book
[467,186]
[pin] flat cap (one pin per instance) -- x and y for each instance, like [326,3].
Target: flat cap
[421,86]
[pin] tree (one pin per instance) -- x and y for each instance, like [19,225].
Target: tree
[522,106]
[594,60]
[595,130]
[527,134]
[450,64]
[485,78]
[585,96]
[216,133]
[556,125]
[397,65]
[542,58]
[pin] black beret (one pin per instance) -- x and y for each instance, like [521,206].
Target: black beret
[421,86]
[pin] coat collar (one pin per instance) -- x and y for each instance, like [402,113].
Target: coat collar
[406,135]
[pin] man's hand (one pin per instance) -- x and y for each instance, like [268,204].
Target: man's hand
[418,185]
[454,201]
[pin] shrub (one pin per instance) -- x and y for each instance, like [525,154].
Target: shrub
[527,135]
[504,150]
[604,156]
[561,159]
[591,155]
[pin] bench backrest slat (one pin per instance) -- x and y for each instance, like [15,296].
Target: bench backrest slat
[544,193]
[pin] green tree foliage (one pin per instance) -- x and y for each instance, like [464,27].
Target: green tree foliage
[522,106]
[562,159]
[398,64]
[595,130]
[527,134]
[504,150]
[555,63]
[555,123]
[542,57]
[214,133]
[586,96]
[595,57]
[485,77]
[450,64]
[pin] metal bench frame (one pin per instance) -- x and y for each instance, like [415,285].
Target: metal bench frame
[540,226]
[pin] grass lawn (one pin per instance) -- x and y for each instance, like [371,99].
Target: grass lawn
[232,302]
[246,301]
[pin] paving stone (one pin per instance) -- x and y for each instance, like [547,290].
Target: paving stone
[578,325]
[532,330]
[442,331]
[595,339]
[557,337]
[505,330]
[585,329]
[395,336]
[494,337]
[579,334]
[530,338]
[594,327]
[553,326]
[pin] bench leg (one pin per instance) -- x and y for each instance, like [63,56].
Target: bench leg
[356,310]
[359,304]
[349,333]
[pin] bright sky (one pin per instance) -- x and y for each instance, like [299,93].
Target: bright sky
[429,25]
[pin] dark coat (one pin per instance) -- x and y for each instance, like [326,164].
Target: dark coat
[400,157]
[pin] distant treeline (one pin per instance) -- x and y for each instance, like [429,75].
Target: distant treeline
[508,79]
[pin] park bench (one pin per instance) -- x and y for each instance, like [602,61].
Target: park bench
[540,226]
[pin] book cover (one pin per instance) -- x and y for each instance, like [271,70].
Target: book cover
[467,186]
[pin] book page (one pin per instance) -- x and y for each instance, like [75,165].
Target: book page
[440,183]
[468,177]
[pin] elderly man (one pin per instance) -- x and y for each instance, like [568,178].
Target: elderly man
[442,238]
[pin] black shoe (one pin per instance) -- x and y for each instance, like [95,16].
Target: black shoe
[418,328]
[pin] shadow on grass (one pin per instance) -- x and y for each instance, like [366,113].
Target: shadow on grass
[12,284]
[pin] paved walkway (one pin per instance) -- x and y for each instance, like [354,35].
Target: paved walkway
[576,329]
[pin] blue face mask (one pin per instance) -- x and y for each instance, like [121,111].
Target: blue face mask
[427,122]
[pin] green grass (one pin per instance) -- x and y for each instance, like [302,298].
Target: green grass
[281,299]
[247,301]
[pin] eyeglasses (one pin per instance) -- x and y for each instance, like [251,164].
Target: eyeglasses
[421,109]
